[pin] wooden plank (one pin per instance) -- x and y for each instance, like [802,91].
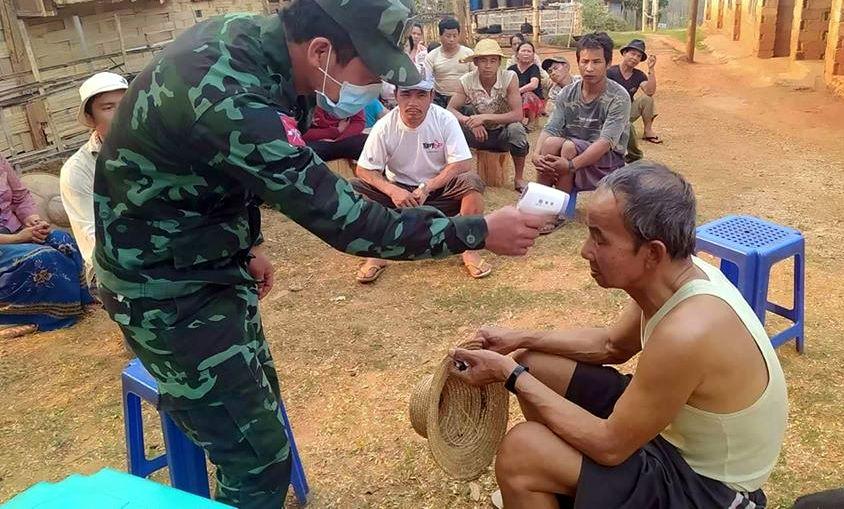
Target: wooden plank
[36,116]
[120,35]
[83,43]
[35,8]
[27,43]
[6,133]
[12,36]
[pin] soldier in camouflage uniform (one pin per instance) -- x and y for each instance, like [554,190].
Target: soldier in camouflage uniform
[206,133]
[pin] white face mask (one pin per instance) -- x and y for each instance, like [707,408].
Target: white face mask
[352,99]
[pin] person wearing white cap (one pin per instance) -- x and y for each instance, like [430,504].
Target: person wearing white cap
[100,95]
[417,155]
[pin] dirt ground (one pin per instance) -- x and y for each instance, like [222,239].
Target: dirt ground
[349,355]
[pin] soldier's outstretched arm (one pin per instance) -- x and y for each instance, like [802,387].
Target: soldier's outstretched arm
[250,139]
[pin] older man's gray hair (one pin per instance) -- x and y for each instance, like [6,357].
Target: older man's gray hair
[656,204]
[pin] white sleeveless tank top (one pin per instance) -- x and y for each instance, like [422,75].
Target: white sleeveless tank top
[741,448]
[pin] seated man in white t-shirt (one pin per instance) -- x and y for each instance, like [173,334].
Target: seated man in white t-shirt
[415,156]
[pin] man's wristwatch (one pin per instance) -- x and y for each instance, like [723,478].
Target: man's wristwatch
[510,384]
[571,165]
[423,186]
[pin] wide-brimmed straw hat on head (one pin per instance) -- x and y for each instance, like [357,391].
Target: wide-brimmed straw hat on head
[464,424]
[485,48]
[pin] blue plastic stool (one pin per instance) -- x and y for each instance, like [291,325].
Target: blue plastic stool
[571,206]
[748,248]
[186,461]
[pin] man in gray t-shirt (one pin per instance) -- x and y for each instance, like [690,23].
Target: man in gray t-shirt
[586,137]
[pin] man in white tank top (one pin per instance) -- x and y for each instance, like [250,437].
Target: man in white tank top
[701,422]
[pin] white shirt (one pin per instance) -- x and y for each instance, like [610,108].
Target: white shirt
[413,156]
[76,184]
[448,70]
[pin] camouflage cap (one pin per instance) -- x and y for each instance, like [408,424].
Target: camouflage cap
[376,28]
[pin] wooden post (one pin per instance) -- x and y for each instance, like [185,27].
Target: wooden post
[691,33]
[460,7]
[119,28]
[33,64]
[536,20]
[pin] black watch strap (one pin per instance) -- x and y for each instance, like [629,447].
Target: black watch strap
[510,384]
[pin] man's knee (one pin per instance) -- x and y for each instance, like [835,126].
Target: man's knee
[516,457]
[513,138]
[471,181]
[569,150]
[552,145]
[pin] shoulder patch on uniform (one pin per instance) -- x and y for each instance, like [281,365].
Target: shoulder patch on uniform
[291,130]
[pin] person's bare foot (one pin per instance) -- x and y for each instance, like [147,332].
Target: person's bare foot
[478,267]
[370,270]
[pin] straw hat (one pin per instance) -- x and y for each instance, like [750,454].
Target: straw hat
[485,48]
[464,424]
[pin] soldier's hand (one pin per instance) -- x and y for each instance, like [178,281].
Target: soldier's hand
[403,199]
[261,268]
[510,232]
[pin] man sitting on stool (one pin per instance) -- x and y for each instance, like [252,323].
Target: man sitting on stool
[488,106]
[416,155]
[586,136]
[702,420]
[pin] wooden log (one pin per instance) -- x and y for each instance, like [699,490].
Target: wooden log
[493,167]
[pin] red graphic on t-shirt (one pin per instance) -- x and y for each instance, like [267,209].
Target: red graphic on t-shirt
[291,130]
[435,145]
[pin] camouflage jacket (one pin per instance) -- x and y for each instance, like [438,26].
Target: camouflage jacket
[207,132]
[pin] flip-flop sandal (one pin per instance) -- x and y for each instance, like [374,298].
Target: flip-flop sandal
[479,271]
[372,273]
[551,227]
[656,140]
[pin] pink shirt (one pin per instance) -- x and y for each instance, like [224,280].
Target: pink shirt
[16,204]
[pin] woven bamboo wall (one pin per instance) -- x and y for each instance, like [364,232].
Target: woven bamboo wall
[65,58]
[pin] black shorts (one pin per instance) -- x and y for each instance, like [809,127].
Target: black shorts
[654,477]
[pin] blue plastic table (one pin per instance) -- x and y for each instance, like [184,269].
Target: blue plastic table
[107,489]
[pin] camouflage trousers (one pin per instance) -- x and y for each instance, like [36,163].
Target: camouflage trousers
[217,381]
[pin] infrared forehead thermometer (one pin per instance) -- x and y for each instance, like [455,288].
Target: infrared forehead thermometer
[543,200]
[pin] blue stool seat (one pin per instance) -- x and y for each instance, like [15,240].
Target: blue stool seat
[184,459]
[748,247]
[571,206]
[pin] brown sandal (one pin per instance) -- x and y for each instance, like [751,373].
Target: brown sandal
[372,273]
[480,270]
[551,227]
